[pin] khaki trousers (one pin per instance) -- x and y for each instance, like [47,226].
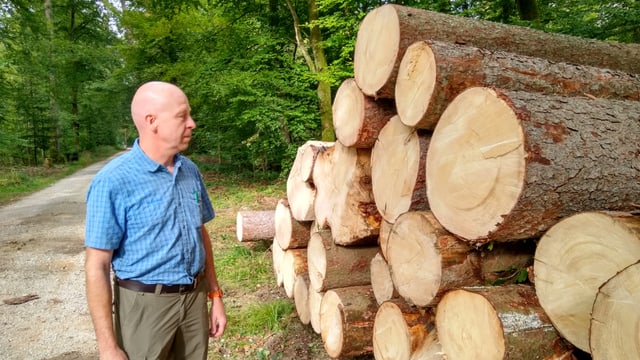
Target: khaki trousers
[162,326]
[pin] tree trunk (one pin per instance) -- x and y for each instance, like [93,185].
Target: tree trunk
[615,317]
[333,266]
[386,32]
[426,260]
[294,263]
[357,119]
[398,161]
[432,73]
[255,225]
[401,330]
[507,165]
[291,233]
[381,281]
[344,196]
[497,322]
[301,298]
[346,321]
[574,258]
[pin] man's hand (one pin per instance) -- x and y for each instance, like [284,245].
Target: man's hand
[218,318]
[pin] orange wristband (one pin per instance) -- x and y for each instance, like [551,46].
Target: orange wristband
[218,293]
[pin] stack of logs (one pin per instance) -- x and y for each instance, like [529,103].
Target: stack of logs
[479,200]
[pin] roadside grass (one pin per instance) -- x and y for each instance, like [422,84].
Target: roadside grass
[19,181]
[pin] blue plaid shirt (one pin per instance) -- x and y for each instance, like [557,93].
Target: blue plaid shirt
[150,217]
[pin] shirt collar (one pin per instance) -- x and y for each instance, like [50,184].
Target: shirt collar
[147,163]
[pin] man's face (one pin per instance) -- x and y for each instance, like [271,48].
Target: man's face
[174,123]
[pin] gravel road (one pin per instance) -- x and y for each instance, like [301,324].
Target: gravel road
[43,310]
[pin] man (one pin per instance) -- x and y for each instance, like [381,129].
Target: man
[146,212]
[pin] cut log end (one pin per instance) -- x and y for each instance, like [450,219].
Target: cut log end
[470,189]
[415,85]
[391,337]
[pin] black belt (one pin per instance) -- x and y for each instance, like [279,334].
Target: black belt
[138,286]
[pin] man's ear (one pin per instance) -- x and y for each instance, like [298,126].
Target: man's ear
[150,120]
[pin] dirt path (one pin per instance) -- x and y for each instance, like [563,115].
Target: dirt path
[43,311]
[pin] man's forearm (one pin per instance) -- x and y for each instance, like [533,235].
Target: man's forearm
[99,300]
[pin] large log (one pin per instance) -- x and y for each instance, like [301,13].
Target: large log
[386,32]
[346,321]
[333,266]
[401,330]
[357,118]
[398,170]
[344,198]
[615,319]
[574,258]
[496,322]
[432,73]
[255,225]
[291,233]
[507,165]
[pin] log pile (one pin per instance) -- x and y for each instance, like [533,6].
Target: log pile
[481,200]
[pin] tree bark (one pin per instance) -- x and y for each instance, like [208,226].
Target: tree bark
[346,321]
[574,258]
[344,197]
[381,281]
[432,73]
[291,233]
[294,263]
[333,266]
[255,225]
[496,322]
[398,172]
[386,32]
[401,330]
[615,317]
[357,118]
[426,261]
[507,165]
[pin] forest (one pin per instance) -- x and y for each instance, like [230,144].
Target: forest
[260,74]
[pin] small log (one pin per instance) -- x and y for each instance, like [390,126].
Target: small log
[333,266]
[398,161]
[383,237]
[294,263]
[426,260]
[301,298]
[507,165]
[346,321]
[387,31]
[496,322]
[291,233]
[344,196]
[255,225]
[301,193]
[401,330]
[574,258]
[432,73]
[381,281]
[616,317]
[277,254]
[357,118]
[315,300]
[308,153]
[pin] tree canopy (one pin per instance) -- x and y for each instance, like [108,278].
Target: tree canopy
[260,74]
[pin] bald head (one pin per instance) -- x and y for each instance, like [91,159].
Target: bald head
[162,115]
[150,99]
